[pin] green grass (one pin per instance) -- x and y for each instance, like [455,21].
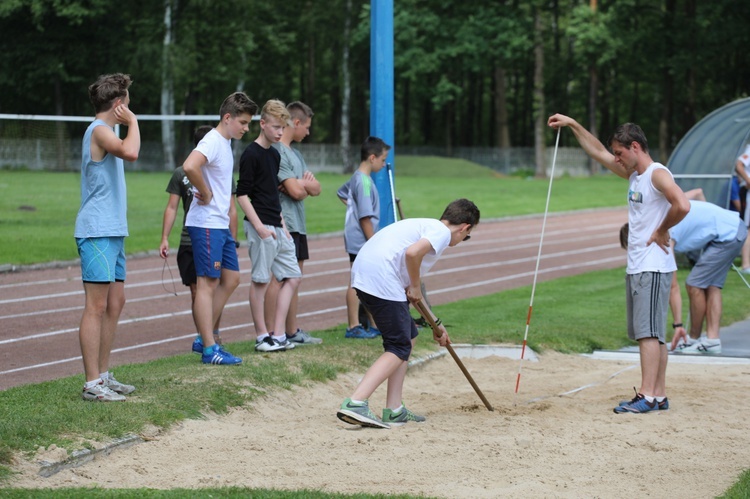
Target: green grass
[167,386]
[38,209]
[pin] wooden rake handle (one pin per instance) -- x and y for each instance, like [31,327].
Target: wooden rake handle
[431,320]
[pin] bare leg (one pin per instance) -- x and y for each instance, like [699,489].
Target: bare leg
[395,393]
[713,312]
[381,370]
[653,367]
[269,303]
[192,304]
[352,304]
[89,334]
[291,315]
[115,303]
[257,297]
[288,287]
[203,308]
[746,254]
[228,282]
[697,310]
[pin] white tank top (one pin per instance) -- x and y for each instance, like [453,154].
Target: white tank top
[647,208]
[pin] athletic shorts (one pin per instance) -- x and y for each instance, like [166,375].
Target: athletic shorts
[213,251]
[186,264]
[300,246]
[102,259]
[714,263]
[647,303]
[394,322]
[272,255]
[352,257]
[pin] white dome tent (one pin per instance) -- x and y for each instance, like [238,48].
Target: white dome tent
[706,155]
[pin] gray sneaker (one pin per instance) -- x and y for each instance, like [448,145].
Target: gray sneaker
[302,338]
[101,393]
[118,387]
[359,414]
[402,417]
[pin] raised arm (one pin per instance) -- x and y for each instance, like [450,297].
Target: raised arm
[590,144]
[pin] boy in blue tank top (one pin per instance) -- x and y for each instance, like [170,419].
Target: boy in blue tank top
[100,230]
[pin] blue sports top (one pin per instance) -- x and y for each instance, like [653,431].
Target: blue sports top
[104,202]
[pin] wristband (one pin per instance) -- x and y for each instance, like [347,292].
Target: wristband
[675,325]
[237,244]
[438,321]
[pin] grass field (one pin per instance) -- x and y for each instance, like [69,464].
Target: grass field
[38,211]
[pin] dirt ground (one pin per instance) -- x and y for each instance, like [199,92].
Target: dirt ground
[538,443]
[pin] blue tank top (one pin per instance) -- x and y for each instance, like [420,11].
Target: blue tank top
[104,203]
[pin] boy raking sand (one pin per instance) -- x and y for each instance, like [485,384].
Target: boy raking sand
[386,276]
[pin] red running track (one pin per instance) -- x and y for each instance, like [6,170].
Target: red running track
[40,310]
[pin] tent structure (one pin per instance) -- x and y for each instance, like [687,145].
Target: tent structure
[706,155]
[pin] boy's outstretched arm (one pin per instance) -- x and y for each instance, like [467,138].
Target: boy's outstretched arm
[590,144]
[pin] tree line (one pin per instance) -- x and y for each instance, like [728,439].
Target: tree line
[484,73]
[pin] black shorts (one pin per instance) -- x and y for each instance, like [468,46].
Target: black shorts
[300,246]
[394,322]
[186,264]
[352,257]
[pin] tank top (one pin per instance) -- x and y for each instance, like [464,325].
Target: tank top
[647,208]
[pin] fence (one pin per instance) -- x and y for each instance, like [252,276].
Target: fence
[50,154]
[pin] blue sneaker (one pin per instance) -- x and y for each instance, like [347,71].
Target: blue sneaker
[638,406]
[359,332]
[374,330]
[220,356]
[198,345]
[663,405]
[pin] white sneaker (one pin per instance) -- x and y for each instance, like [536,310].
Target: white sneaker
[268,344]
[118,387]
[683,344]
[286,344]
[101,393]
[700,348]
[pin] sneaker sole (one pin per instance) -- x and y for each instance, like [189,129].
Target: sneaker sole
[281,349]
[97,399]
[357,419]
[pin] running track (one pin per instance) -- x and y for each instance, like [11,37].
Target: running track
[40,310]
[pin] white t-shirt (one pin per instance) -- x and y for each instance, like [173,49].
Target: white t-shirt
[647,208]
[380,267]
[217,173]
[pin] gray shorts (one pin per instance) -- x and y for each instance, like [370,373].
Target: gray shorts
[716,260]
[273,255]
[647,296]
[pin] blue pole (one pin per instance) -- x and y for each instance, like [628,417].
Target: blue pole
[382,97]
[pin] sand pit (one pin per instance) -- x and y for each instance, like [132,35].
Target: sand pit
[555,446]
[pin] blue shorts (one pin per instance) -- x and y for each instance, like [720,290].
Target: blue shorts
[734,193]
[213,251]
[102,259]
[394,322]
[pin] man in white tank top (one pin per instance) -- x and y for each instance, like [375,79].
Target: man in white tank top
[655,204]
